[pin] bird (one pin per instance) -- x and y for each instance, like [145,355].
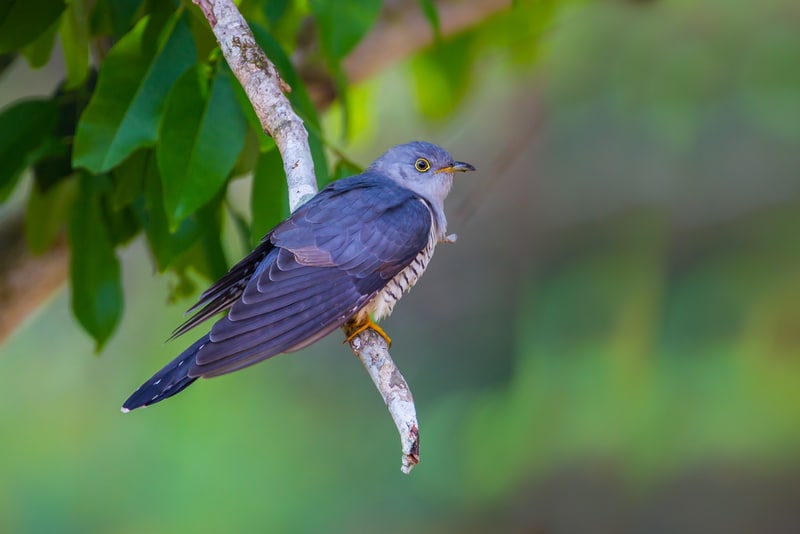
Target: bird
[345,256]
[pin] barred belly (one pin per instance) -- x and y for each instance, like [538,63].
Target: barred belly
[383,303]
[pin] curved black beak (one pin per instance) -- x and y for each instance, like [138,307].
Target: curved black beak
[457,166]
[460,166]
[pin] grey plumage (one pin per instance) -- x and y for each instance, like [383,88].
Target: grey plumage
[351,250]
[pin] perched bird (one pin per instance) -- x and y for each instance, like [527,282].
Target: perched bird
[350,251]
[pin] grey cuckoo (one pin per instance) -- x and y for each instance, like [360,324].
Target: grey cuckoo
[348,253]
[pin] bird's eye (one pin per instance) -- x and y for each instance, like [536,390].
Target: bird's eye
[422,165]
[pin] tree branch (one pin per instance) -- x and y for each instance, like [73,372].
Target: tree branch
[25,279]
[264,88]
[371,349]
[401,30]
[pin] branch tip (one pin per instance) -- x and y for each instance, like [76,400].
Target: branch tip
[266,91]
[371,349]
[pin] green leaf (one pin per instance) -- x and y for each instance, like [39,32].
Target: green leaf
[114,17]
[248,157]
[129,178]
[301,102]
[24,128]
[344,23]
[75,42]
[203,36]
[22,22]
[122,225]
[432,14]
[47,213]
[211,240]
[38,51]
[201,136]
[274,10]
[315,143]
[345,168]
[6,60]
[94,269]
[52,166]
[208,251]
[269,200]
[242,228]
[54,159]
[299,97]
[340,83]
[134,81]
[164,244]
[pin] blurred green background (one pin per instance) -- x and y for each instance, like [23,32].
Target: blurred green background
[613,345]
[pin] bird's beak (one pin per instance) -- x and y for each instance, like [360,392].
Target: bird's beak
[457,166]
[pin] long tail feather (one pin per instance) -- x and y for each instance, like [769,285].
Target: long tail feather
[172,379]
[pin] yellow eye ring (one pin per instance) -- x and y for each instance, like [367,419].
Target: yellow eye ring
[422,165]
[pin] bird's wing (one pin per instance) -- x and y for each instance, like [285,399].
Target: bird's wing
[227,290]
[328,260]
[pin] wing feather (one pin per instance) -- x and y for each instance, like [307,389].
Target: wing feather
[227,290]
[313,272]
[277,334]
[271,312]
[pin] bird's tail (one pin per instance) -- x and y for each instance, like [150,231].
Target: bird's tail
[172,379]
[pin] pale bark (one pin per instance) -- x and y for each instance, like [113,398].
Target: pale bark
[264,88]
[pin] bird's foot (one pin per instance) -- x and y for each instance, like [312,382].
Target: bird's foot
[355,327]
[450,238]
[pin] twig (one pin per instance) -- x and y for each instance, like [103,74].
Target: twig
[264,88]
[27,278]
[371,349]
[403,30]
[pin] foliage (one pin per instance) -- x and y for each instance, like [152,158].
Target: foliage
[621,354]
[156,133]
[149,142]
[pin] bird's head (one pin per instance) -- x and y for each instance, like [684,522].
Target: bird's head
[422,167]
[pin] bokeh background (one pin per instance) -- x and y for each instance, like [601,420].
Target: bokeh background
[612,345]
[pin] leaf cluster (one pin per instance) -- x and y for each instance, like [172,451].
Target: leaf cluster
[148,126]
[147,129]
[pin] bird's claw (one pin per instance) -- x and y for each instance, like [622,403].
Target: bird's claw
[354,328]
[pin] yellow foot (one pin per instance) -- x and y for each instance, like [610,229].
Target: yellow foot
[353,328]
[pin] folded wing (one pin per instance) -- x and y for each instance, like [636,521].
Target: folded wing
[319,268]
